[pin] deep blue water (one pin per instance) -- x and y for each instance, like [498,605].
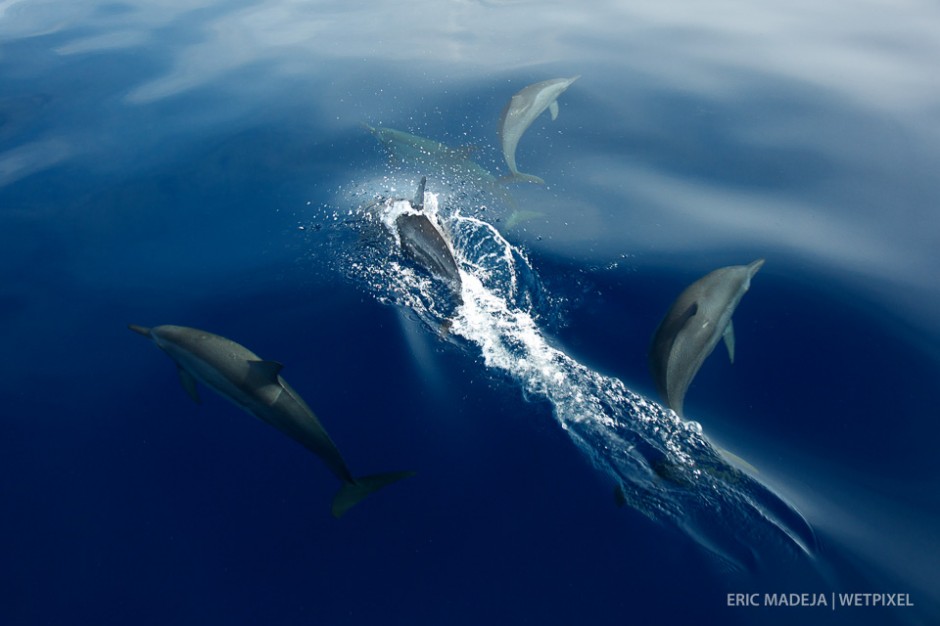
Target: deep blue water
[207,164]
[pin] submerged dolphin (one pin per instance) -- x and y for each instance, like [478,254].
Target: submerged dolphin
[423,243]
[239,375]
[699,317]
[452,165]
[432,156]
[521,111]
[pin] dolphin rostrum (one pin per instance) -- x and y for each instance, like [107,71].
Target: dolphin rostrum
[699,317]
[423,243]
[239,375]
[521,111]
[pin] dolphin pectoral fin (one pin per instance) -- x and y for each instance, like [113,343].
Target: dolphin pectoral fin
[728,336]
[351,493]
[189,384]
[553,109]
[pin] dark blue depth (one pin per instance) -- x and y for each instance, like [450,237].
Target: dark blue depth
[228,208]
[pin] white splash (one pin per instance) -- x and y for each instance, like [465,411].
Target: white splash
[661,465]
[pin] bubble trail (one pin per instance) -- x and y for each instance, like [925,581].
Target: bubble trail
[659,464]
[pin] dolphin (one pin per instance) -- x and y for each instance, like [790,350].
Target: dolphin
[239,375]
[432,156]
[452,165]
[423,243]
[699,317]
[521,111]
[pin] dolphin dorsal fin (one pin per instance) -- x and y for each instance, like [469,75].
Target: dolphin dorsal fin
[265,371]
[189,384]
[418,203]
[728,336]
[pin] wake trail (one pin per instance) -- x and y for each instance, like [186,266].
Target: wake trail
[658,463]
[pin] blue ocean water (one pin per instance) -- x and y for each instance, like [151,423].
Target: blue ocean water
[210,164]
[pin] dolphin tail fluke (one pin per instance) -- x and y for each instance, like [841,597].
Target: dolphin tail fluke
[519,177]
[141,330]
[350,494]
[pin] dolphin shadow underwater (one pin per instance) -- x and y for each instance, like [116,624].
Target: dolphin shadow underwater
[698,318]
[242,377]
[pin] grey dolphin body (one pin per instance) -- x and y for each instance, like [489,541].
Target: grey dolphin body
[453,165]
[521,111]
[423,243]
[432,157]
[255,385]
[699,317]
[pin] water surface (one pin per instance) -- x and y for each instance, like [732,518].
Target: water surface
[207,164]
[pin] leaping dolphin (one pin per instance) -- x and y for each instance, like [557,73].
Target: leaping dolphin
[239,375]
[699,317]
[521,111]
[423,243]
